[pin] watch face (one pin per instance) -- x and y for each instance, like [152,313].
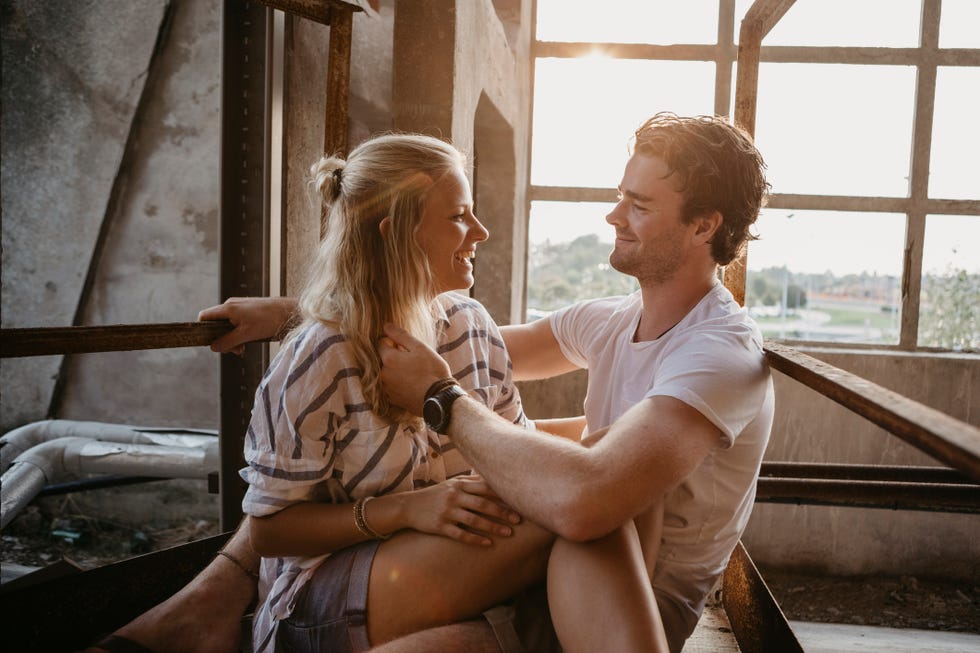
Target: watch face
[432,413]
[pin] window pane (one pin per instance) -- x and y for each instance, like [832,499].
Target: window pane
[836,130]
[569,245]
[955,135]
[949,304]
[586,110]
[628,21]
[832,276]
[881,23]
[958,23]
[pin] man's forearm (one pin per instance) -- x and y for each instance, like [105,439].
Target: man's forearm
[512,459]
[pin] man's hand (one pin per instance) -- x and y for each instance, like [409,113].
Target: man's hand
[254,318]
[408,368]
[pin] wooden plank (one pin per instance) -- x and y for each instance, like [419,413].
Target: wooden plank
[949,440]
[49,341]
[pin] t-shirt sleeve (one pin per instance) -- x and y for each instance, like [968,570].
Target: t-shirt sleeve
[290,444]
[577,327]
[723,375]
[502,395]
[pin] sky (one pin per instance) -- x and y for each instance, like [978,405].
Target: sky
[856,123]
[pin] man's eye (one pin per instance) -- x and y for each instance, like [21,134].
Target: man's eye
[641,209]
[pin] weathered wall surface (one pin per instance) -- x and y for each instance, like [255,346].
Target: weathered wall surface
[70,96]
[160,258]
[810,427]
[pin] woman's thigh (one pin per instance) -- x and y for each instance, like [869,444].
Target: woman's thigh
[421,581]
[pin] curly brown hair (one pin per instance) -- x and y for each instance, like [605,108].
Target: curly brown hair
[717,168]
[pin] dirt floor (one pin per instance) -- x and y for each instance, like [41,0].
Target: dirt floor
[36,539]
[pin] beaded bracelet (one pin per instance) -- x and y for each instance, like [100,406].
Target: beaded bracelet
[361,522]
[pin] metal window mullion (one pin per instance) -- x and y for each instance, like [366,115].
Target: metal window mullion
[244,202]
[915,229]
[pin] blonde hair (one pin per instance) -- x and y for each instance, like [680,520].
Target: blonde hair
[359,279]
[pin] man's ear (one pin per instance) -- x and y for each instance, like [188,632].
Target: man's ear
[385,226]
[707,224]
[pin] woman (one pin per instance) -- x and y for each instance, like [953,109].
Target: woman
[333,469]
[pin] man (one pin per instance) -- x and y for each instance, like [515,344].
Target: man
[679,405]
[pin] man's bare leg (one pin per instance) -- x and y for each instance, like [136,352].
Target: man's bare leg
[625,617]
[468,637]
[205,616]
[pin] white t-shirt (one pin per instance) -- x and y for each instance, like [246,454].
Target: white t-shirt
[713,361]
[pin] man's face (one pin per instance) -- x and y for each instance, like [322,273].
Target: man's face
[651,240]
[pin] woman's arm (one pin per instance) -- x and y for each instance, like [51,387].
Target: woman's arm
[463,508]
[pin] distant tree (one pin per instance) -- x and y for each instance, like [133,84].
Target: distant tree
[950,312]
[562,273]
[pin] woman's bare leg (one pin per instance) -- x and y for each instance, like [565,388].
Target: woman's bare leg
[421,581]
[600,595]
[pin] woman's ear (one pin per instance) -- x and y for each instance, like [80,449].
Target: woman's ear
[385,226]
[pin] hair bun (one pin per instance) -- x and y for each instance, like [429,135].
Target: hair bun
[327,174]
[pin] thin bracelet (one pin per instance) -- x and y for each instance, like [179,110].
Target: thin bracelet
[361,522]
[238,563]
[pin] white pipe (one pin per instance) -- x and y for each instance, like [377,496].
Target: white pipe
[57,460]
[19,440]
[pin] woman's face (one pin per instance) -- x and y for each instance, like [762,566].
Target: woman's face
[449,232]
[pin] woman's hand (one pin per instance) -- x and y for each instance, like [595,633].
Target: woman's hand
[463,508]
[254,318]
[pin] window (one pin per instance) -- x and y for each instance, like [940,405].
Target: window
[869,233]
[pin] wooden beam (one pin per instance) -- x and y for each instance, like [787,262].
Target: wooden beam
[121,337]
[947,439]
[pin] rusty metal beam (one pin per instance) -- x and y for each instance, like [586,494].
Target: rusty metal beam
[69,613]
[898,473]
[759,19]
[757,621]
[935,497]
[338,84]
[948,440]
[320,11]
[49,341]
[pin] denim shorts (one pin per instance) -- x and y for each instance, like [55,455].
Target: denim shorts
[331,611]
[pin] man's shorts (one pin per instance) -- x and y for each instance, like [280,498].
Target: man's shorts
[523,624]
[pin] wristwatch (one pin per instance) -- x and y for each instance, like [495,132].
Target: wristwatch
[437,409]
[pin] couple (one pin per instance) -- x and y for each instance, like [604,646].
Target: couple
[618,528]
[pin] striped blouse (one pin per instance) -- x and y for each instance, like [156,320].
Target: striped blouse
[312,437]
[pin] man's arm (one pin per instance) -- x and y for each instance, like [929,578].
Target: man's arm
[534,351]
[576,492]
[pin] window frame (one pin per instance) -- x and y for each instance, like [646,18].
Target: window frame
[926,59]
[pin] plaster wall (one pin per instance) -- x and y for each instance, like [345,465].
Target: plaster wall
[69,99]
